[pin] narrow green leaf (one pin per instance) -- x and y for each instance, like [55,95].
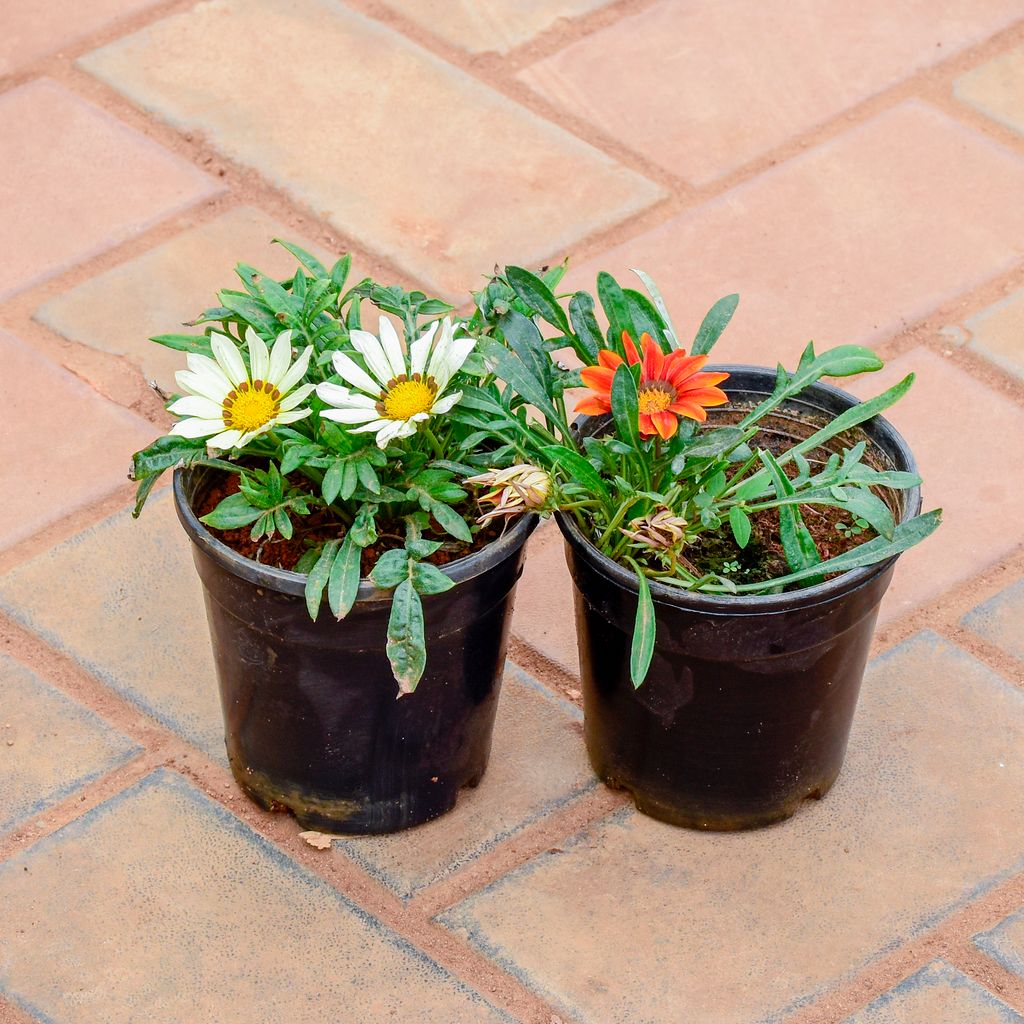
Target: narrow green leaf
[588,340]
[428,579]
[845,361]
[576,469]
[646,318]
[671,334]
[714,442]
[626,406]
[318,577]
[451,522]
[232,512]
[525,340]
[307,259]
[340,271]
[199,343]
[331,483]
[538,296]
[716,320]
[343,583]
[644,630]
[616,308]
[406,649]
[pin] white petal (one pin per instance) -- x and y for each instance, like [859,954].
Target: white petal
[439,357]
[195,384]
[296,373]
[369,347]
[295,397]
[195,405]
[197,427]
[373,425]
[292,415]
[343,398]
[351,415]
[408,428]
[209,370]
[348,370]
[446,403]
[259,357]
[228,439]
[392,347]
[229,358]
[420,349]
[457,354]
[280,357]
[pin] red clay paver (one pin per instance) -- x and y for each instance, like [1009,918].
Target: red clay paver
[731,928]
[848,242]
[55,24]
[1000,620]
[50,746]
[997,333]
[702,89]
[381,167]
[120,918]
[74,181]
[1005,943]
[937,994]
[537,766]
[996,88]
[938,417]
[88,442]
[138,621]
[155,293]
[496,26]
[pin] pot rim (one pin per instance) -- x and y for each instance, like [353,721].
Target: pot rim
[285,581]
[760,604]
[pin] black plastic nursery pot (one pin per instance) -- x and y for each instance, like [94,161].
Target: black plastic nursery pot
[747,707]
[312,723]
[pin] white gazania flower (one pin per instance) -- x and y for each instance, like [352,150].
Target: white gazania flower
[231,406]
[400,391]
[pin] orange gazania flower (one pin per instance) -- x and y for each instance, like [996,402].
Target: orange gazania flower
[670,386]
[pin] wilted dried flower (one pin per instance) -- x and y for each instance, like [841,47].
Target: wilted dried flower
[516,489]
[660,530]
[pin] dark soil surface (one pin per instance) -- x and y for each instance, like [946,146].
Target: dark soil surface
[322,525]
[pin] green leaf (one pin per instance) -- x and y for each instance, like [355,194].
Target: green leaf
[307,259]
[521,379]
[716,320]
[434,307]
[646,317]
[659,303]
[340,271]
[714,442]
[343,583]
[538,296]
[363,530]
[283,523]
[199,343]
[252,312]
[428,579]
[525,340]
[626,406]
[232,512]
[616,308]
[905,536]
[318,577]
[451,521]
[797,542]
[164,453]
[644,629]
[392,567]
[846,360]
[740,523]
[576,469]
[406,649]
[588,340]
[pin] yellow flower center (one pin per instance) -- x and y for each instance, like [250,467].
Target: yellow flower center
[406,398]
[656,397]
[251,405]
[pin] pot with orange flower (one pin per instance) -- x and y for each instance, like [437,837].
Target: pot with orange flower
[730,532]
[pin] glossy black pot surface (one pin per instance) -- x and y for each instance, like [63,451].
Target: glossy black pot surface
[312,723]
[747,708]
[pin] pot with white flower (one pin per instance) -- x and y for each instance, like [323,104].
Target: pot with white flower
[730,533]
[358,611]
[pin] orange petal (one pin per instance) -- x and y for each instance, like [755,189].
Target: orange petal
[646,425]
[606,357]
[689,409]
[654,359]
[703,396]
[707,380]
[598,378]
[679,367]
[665,423]
[631,353]
[593,405]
